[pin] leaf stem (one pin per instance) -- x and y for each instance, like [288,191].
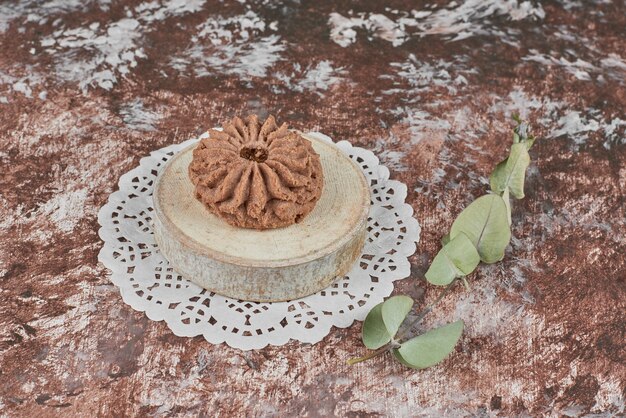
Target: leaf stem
[425,312]
[373,354]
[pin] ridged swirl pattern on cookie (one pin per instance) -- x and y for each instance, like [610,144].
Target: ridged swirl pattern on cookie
[256,175]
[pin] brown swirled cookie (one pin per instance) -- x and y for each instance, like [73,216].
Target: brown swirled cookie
[256,175]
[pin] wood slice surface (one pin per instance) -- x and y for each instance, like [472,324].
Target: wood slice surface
[270,265]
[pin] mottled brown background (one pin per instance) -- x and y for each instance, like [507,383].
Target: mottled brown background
[89,87]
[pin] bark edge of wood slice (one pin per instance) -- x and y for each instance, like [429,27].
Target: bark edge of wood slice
[271,265]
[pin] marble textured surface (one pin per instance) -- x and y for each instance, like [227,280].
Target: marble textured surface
[89,87]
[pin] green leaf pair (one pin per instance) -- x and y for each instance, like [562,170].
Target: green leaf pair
[480,232]
[384,320]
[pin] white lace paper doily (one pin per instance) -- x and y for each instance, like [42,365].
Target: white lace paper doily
[149,284]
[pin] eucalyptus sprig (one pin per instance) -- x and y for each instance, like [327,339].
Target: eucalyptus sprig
[481,232]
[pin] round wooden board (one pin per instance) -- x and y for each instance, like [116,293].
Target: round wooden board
[270,265]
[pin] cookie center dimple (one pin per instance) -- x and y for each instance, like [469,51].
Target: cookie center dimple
[253,153]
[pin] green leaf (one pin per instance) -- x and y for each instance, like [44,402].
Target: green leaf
[507,202]
[485,223]
[394,311]
[457,258]
[383,321]
[375,333]
[430,348]
[512,172]
[401,359]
